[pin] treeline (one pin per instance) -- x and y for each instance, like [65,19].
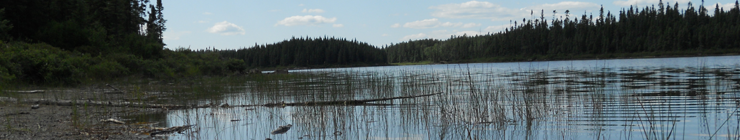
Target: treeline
[653,30]
[305,52]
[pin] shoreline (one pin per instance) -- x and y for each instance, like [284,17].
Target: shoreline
[488,60]
[26,120]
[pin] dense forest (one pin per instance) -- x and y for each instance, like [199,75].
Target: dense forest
[304,52]
[661,30]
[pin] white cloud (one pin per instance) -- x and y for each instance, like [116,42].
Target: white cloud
[313,11]
[475,9]
[646,2]
[494,29]
[305,20]
[726,6]
[414,36]
[434,23]
[470,25]
[487,10]
[395,25]
[300,4]
[202,21]
[226,28]
[450,24]
[446,34]
[573,6]
[421,24]
[337,25]
[207,13]
[174,35]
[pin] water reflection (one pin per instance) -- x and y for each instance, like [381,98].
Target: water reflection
[592,99]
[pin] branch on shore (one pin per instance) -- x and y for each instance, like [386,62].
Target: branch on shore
[172,106]
[115,90]
[25,91]
[345,102]
[92,103]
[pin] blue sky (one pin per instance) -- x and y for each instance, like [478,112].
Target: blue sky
[232,24]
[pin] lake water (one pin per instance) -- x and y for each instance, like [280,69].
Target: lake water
[656,98]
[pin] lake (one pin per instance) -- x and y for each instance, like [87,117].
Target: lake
[653,98]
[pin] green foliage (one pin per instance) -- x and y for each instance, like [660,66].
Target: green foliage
[236,65]
[5,73]
[41,63]
[141,46]
[107,69]
[127,60]
[158,69]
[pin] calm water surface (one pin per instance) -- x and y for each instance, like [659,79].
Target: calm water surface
[661,98]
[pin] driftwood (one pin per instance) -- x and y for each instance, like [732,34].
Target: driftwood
[177,129]
[98,103]
[172,106]
[281,71]
[111,120]
[281,129]
[25,91]
[344,102]
[115,90]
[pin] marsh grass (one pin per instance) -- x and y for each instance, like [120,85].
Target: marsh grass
[475,103]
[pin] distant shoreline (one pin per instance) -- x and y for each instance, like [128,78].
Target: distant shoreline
[533,59]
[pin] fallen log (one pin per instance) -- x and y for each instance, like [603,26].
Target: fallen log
[173,129]
[100,103]
[115,90]
[172,106]
[345,102]
[25,91]
[111,120]
[281,129]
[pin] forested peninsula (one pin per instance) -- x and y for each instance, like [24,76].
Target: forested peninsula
[662,30]
[76,41]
